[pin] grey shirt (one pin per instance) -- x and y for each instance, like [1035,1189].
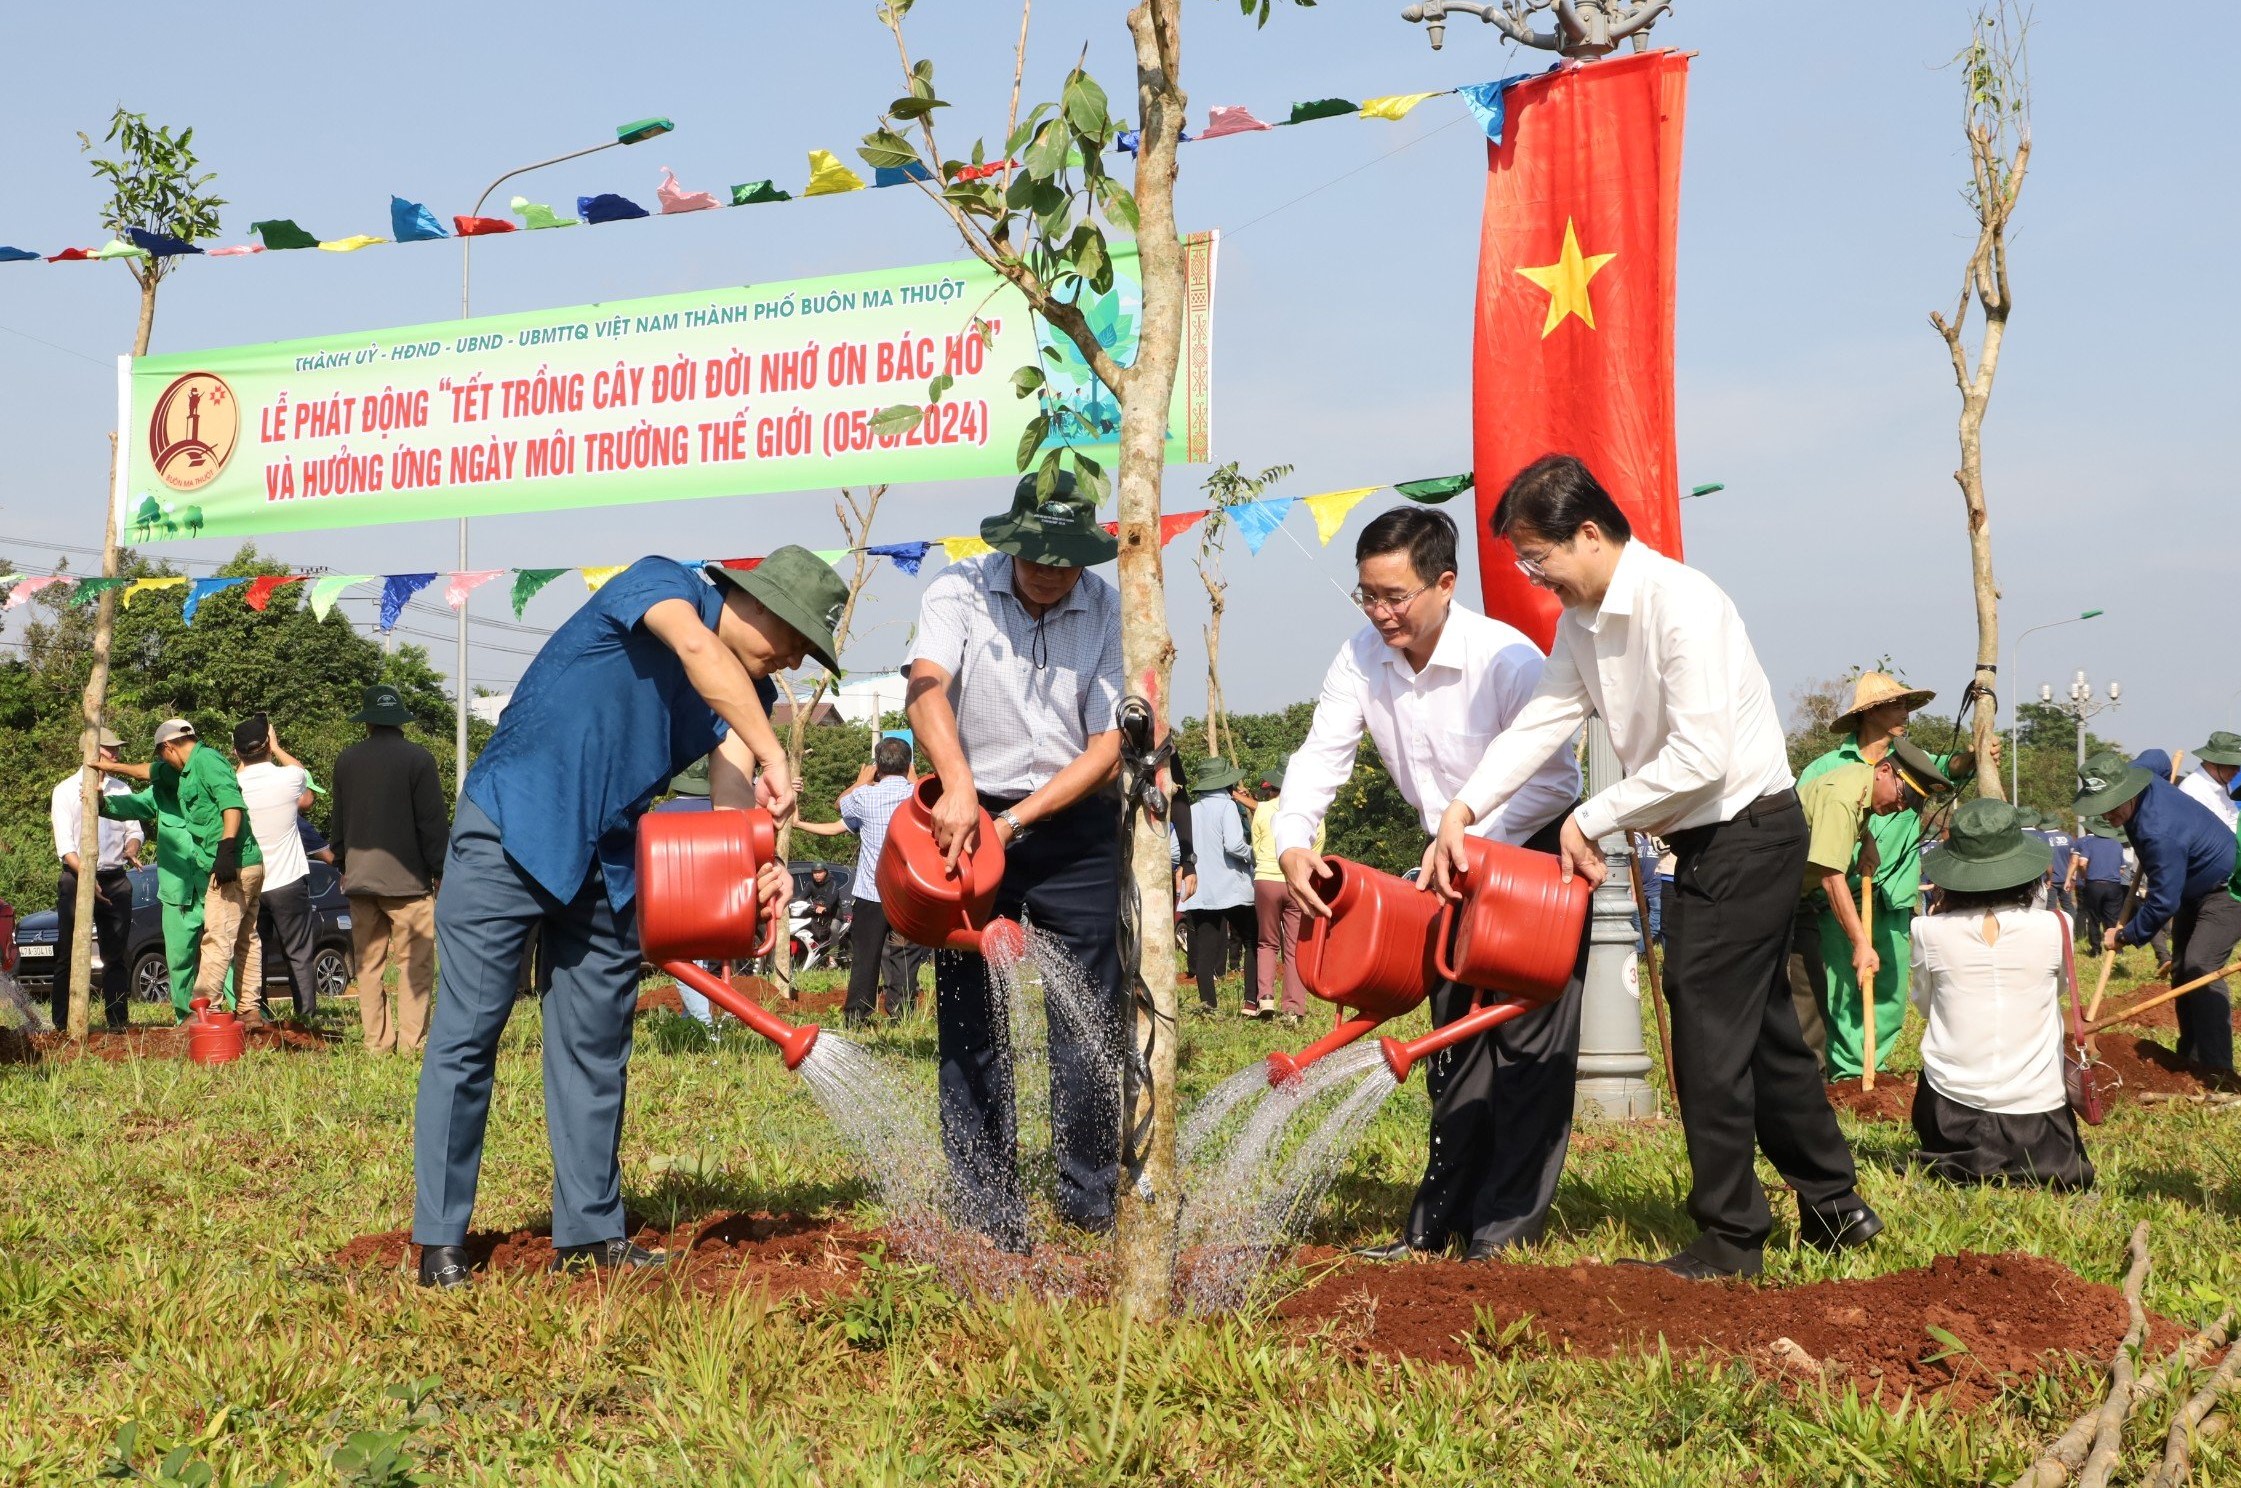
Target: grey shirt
[1028,693]
[388,826]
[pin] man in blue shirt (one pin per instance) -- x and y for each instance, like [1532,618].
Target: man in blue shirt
[2187,855]
[864,809]
[661,667]
[2097,879]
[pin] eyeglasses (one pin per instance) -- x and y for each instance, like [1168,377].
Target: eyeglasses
[1393,605]
[1531,567]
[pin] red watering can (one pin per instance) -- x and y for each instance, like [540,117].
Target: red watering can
[1373,953]
[696,902]
[213,1034]
[926,903]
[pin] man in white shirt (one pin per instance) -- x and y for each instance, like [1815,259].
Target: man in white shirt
[112,894]
[1433,684]
[1659,652]
[276,789]
[2212,784]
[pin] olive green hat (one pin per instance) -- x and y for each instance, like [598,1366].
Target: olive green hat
[384,705]
[1060,530]
[2108,781]
[2099,826]
[1986,851]
[801,589]
[2223,749]
[691,781]
[1210,775]
[1918,771]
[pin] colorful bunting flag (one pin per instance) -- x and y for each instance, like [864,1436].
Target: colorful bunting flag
[70,255]
[412,222]
[142,586]
[675,198]
[25,588]
[607,207]
[17,255]
[957,549]
[830,557]
[900,175]
[742,564]
[1172,527]
[527,581]
[282,232]
[261,588]
[116,249]
[465,583]
[202,589]
[329,589]
[599,574]
[397,591]
[1485,100]
[480,227]
[1229,118]
[1330,510]
[237,250]
[159,245]
[89,590]
[755,193]
[905,556]
[1257,520]
[828,177]
[1321,108]
[535,215]
[352,243]
[983,172]
[1395,107]
[9,578]
[1440,488]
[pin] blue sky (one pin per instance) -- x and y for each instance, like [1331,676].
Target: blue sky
[1820,223]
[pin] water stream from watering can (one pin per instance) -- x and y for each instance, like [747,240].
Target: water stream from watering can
[17,1010]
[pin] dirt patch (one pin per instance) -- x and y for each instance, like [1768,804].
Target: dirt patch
[17,1047]
[2129,1068]
[788,1254]
[1892,1099]
[661,996]
[2015,1315]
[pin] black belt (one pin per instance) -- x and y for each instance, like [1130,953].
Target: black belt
[1767,804]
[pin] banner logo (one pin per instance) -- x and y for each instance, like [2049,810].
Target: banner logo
[193,430]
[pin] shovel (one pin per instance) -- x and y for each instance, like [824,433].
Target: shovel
[2160,998]
[1867,984]
[2108,957]
[1649,958]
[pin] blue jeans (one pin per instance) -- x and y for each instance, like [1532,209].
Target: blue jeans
[484,914]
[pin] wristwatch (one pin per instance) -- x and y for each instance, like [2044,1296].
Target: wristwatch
[1011,819]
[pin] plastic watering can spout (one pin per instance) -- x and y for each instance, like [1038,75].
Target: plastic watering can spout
[794,1041]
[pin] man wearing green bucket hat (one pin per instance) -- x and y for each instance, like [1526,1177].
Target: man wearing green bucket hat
[1015,680]
[2212,785]
[1989,975]
[2188,857]
[1220,905]
[662,666]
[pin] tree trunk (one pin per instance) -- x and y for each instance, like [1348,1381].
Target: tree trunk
[1149,1200]
[1217,715]
[1986,725]
[95,703]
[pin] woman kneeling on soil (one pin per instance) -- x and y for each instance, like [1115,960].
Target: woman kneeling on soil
[1988,974]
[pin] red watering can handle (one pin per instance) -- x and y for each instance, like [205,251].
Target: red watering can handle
[769,944]
[1443,935]
[1311,947]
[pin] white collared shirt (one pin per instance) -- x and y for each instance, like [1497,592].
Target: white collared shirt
[2213,795]
[1994,1040]
[1666,664]
[1430,728]
[120,840]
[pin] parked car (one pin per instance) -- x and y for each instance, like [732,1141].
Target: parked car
[151,976]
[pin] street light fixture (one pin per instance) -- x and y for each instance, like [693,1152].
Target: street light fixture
[1585,29]
[2015,717]
[637,131]
[2082,706]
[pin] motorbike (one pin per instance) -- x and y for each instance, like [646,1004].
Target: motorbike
[815,940]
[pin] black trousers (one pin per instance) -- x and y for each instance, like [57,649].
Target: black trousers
[2203,934]
[1501,1115]
[2100,906]
[1961,1144]
[867,943]
[284,918]
[898,974]
[1064,877]
[1741,1067]
[1212,931]
[112,924]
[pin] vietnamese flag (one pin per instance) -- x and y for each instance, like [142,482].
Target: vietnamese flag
[1573,348]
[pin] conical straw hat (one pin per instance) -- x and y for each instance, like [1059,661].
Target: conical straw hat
[1876,688]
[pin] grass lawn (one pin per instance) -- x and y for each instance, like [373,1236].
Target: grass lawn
[166,1269]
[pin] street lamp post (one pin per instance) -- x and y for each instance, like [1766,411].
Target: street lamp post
[1585,29]
[2015,717]
[635,132]
[2082,706]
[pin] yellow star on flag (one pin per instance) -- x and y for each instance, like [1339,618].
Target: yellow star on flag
[1566,281]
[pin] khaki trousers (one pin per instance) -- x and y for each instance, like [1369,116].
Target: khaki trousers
[229,930]
[386,928]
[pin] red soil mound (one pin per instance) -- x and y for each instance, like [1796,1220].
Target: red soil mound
[788,1254]
[2128,1068]
[1892,1099]
[149,1043]
[661,996]
[2015,1314]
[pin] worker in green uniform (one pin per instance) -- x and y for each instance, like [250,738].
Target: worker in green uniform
[1876,717]
[202,831]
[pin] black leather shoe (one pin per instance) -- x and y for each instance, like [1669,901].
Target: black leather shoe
[1845,1227]
[1695,1268]
[444,1266]
[1484,1250]
[607,1255]
[1398,1250]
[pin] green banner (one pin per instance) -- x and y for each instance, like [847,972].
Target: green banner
[733,392]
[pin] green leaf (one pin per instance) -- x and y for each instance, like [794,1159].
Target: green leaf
[1120,206]
[914,107]
[1085,106]
[1031,438]
[883,148]
[1046,156]
[1953,1345]
[939,386]
[1027,379]
[899,419]
[1026,129]
[1086,251]
[1092,476]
